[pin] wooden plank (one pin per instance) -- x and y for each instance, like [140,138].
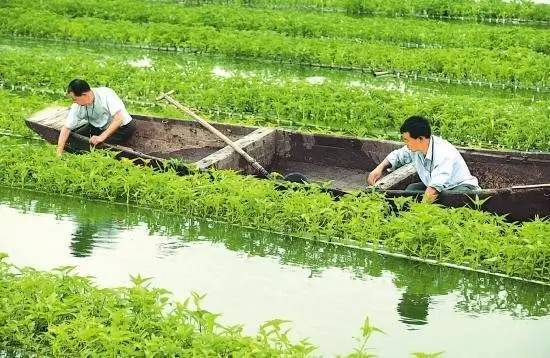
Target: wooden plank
[53,117]
[396,177]
[261,141]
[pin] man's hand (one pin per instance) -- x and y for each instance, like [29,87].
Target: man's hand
[377,172]
[374,176]
[97,139]
[430,195]
[115,124]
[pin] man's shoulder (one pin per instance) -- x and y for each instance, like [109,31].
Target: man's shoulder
[443,142]
[74,109]
[104,91]
[446,147]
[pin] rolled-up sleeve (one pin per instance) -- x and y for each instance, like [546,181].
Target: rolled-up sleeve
[400,157]
[72,118]
[441,174]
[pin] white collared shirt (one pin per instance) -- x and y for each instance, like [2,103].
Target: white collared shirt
[99,114]
[441,168]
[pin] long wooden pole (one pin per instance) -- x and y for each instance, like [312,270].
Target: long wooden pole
[219,134]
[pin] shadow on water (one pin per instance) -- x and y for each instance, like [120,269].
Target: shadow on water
[97,225]
[413,308]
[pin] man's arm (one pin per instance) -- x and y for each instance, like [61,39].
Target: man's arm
[70,124]
[377,172]
[62,140]
[395,159]
[115,124]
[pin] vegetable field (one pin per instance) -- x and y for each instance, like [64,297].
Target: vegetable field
[479,70]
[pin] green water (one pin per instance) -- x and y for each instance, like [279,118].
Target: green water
[252,276]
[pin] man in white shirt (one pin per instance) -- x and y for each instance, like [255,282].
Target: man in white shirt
[104,116]
[438,163]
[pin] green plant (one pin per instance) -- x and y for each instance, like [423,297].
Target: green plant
[460,236]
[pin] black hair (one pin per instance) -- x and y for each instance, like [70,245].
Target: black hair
[417,127]
[78,87]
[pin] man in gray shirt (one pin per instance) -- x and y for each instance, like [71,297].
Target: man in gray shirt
[438,163]
[97,113]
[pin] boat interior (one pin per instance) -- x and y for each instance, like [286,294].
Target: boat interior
[343,162]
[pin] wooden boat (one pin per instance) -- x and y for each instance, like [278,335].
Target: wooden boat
[515,183]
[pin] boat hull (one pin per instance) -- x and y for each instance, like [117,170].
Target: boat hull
[518,182]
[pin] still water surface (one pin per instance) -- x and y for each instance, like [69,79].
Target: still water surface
[252,277]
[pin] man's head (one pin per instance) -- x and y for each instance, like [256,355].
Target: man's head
[416,133]
[80,92]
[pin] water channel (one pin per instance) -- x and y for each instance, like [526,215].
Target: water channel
[252,276]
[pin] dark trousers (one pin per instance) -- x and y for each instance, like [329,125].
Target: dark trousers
[118,137]
[420,187]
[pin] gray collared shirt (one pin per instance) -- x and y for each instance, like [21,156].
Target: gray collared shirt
[442,167]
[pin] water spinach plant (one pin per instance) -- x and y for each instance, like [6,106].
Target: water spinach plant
[492,11]
[61,314]
[513,65]
[308,25]
[460,236]
[337,105]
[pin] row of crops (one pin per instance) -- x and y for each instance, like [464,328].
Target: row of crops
[460,236]
[258,98]
[516,62]
[498,11]
[532,302]
[308,25]
[264,45]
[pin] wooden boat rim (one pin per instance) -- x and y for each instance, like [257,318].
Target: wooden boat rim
[494,152]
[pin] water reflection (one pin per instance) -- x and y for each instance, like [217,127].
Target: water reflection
[99,224]
[413,308]
[419,288]
[89,234]
[83,239]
